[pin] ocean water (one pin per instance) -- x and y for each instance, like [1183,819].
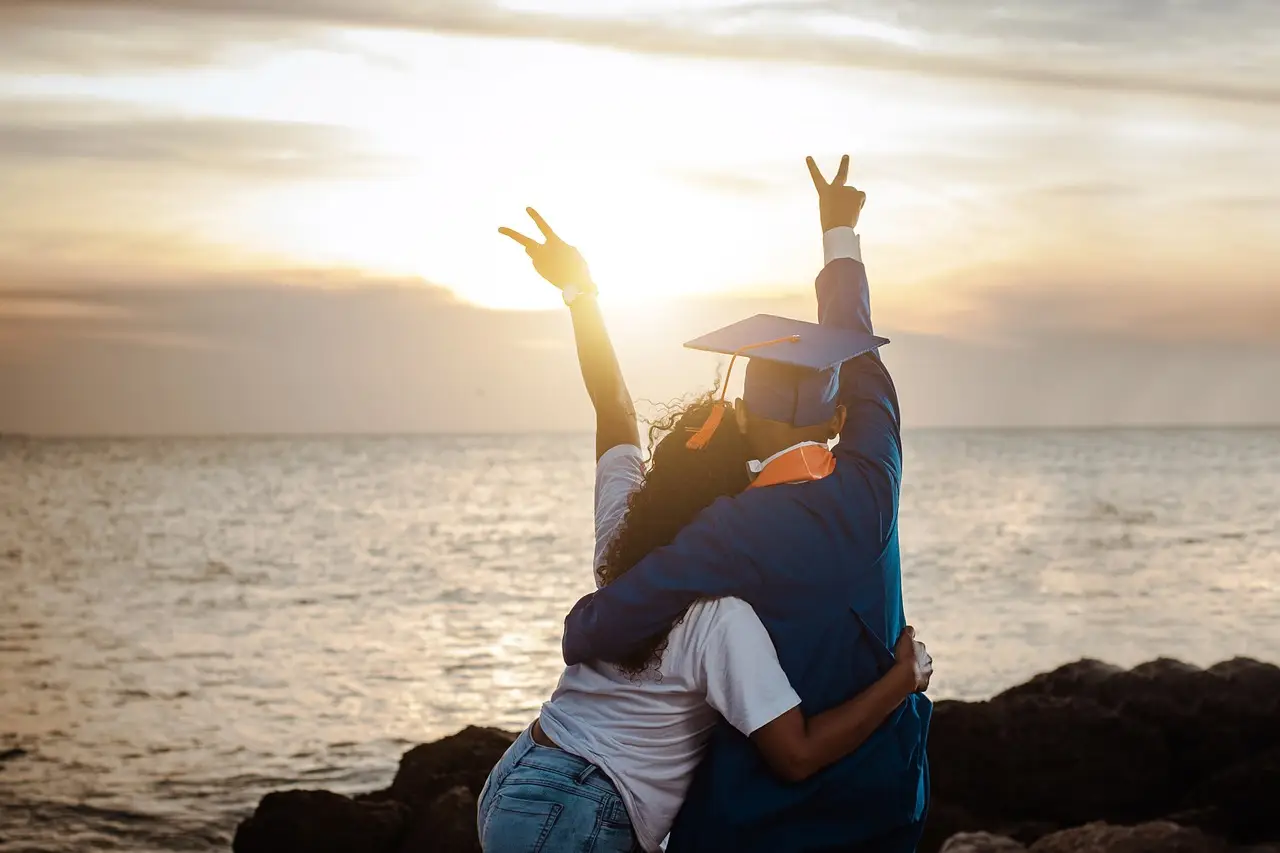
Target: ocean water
[187,624]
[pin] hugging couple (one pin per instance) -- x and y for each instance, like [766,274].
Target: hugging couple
[742,679]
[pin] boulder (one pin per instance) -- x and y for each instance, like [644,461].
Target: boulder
[1210,719]
[321,822]
[448,825]
[981,842]
[1059,760]
[1197,750]
[1240,802]
[946,820]
[1083,678]
[461,760]
[1157,837]
[431,805]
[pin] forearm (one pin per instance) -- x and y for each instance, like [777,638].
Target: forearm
[871,428]
[835,733]
[615,620]
[796,747]
[844,294]
[602,376]
[707,560]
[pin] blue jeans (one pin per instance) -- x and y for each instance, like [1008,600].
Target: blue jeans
[542,799]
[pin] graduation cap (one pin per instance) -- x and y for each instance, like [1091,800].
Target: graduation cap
[793,375]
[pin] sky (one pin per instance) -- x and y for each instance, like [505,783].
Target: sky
[281,215]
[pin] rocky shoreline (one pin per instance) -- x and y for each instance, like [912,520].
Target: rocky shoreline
[1088,757]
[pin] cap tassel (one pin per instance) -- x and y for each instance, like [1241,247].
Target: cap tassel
[702,437]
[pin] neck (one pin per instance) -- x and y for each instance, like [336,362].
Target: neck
[764,450]
[758,465]
[778,437]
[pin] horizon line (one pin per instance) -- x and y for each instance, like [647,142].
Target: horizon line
[1259,426]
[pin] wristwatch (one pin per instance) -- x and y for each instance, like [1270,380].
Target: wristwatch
[571,292]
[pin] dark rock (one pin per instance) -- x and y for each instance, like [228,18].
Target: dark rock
[1028,832]
[1083,678]
[1162,742]
[321,822]
[944,821]
[15,752]
[461,760]
[1210,719]
[1059,760]
[1241,802]
[447,825]
[1251,678]
[982,842]
[1157,837]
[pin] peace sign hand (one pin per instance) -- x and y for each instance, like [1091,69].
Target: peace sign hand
[838,204]
[555,260]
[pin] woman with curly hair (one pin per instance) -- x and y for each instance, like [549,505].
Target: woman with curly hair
[608,762]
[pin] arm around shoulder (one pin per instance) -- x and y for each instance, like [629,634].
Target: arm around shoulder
[706,560]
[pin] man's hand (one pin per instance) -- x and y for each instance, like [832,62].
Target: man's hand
[838,204]
[554,260]
[913,660]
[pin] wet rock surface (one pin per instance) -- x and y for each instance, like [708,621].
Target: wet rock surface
[1088,757]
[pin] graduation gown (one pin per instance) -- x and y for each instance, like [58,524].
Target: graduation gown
[819,562]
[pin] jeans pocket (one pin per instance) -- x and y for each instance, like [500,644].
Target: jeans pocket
[614,833]
[518,826]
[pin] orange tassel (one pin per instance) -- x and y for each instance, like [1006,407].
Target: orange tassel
[702,437]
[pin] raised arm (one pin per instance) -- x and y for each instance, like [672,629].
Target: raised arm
[563,266]
[613,621]
[871,437]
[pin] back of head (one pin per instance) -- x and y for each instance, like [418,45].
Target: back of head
[678,485]
[767,436]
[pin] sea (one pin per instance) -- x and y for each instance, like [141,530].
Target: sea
[187,624]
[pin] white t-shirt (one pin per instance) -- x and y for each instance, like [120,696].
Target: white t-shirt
[648,732]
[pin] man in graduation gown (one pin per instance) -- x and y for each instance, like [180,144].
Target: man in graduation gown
[813,547]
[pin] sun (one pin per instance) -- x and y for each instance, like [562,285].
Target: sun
[660,242]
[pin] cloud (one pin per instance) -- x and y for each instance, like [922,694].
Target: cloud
[42,307]
[52,132]
[332,351]
[89,38]
[94,184]
[1167,313]
[269,352]
[730,183]
[1135,299]
[1204,50]
[1259,203]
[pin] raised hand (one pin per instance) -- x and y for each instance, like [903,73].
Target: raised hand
[839,205]
[555,260]
[912,657]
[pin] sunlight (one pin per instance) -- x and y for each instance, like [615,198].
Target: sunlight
[667,190]
[674,177]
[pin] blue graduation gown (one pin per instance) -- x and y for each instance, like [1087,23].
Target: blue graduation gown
[819,562]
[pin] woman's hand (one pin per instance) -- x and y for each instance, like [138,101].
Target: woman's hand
[913,660]
[554,260]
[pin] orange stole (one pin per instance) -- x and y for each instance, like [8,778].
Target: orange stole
[810,462]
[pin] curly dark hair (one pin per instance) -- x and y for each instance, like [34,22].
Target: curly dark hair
[679,483]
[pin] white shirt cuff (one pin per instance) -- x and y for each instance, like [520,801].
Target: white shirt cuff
[841,242]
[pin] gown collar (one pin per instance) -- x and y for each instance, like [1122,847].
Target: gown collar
[808,460]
